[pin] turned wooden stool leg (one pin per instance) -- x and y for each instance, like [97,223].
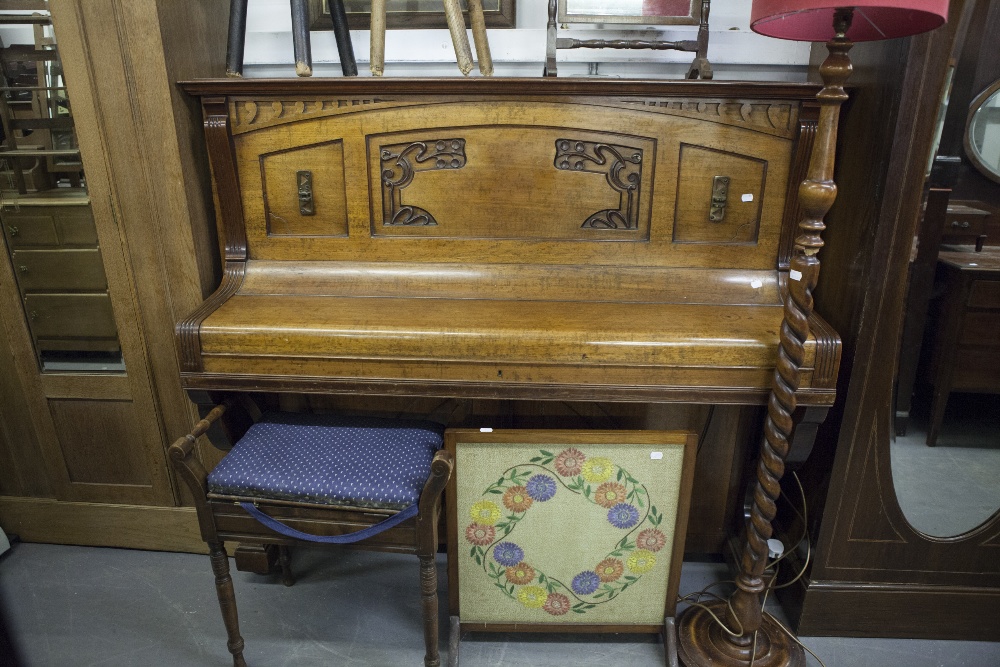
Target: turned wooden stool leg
[227,600]
[237,37]
[429,600]
[285,560]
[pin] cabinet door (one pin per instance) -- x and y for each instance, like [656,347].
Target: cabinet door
[73,339]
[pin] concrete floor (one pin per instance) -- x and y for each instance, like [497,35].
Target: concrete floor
[81,606]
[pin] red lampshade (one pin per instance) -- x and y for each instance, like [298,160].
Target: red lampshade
[812,20]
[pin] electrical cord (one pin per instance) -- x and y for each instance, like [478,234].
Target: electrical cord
[694,599]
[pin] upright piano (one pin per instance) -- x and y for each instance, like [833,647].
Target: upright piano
[543,239]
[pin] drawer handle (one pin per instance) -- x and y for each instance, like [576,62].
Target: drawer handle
[964,224]
[13,231]
[33,316]
[23,268]
[305,191]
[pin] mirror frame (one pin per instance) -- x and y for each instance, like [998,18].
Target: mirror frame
[970,150]
[693,16]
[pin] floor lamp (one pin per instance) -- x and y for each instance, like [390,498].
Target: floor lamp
[735,632]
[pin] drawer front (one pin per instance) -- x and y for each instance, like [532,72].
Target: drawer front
[976,370]
[76,227]
[964,223]
[981,328]
[49,226]
[62,270]
[29,230]
[984,294]
[70,315]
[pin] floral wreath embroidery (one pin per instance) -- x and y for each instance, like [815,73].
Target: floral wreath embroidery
[598,480]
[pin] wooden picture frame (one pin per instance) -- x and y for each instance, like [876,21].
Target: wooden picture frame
[571,467]
[644,12]
[399,15]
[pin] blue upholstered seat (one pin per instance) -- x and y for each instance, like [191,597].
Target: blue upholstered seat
[331,460]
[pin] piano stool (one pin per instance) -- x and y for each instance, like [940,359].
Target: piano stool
[323,478]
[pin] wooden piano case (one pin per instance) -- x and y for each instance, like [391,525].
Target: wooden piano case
[503,238]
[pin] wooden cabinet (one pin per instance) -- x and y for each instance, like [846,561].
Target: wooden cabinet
[964,224]
[966,341]
[82,449]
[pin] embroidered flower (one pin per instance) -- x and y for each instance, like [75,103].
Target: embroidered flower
[532,597]
[610,494]
[516,499]
[585,583]
[641,561]
[570,462]
[508,554]
[623,515]
[597,469]
[541,487]
[556,604]
[609,569]
[480,535]
[651,539]
[485,512]
[520,574]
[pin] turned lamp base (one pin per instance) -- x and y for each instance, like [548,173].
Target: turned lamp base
[702,643]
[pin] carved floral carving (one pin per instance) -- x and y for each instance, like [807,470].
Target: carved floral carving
[621,165]
[401,162]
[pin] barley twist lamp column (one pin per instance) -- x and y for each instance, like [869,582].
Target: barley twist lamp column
[752,637]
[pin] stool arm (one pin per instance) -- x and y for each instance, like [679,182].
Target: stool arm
[430,502]
[189,468]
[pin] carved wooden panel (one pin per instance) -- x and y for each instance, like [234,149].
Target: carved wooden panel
[246,115]
[518,196]
[733,183]
[283,184]
[512,182]
[401,162]
[775,118]
[621,165]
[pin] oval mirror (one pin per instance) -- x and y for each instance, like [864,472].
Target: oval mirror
[982,132]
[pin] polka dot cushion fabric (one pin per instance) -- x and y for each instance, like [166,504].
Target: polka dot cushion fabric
[332,460]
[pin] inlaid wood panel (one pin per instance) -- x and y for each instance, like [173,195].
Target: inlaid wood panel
[101,441]
[324,193]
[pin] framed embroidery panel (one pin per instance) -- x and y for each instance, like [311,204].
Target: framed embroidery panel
[554,530]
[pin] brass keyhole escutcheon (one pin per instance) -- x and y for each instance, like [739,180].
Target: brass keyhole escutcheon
[720,196]
[305,187]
